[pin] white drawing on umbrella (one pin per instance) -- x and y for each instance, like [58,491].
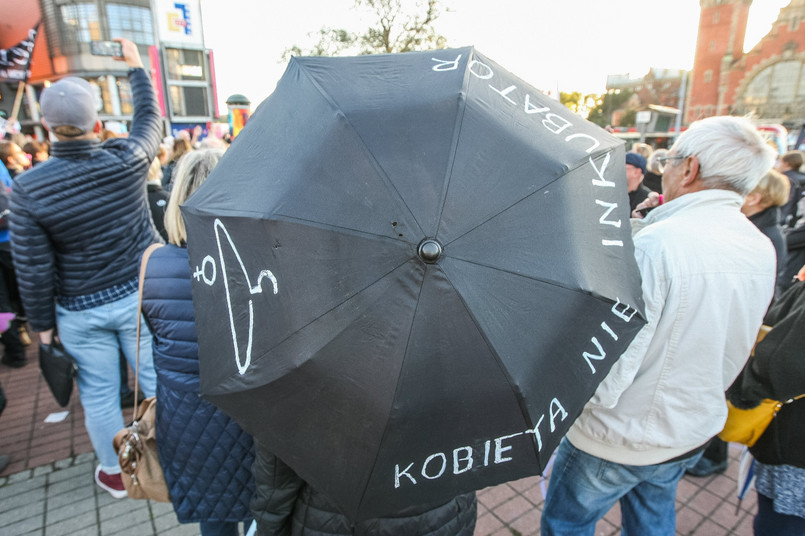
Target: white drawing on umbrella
[255,289]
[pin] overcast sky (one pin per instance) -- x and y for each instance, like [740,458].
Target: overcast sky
[569,44]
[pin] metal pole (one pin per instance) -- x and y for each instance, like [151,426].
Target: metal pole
[682,93]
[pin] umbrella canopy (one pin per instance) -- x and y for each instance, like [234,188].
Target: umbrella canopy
[411,271]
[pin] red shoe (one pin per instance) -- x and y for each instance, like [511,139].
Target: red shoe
[111,483]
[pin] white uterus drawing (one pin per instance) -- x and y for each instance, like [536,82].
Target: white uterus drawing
[242,361]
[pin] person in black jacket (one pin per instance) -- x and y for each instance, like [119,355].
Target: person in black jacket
[285,505]
[79,223]
[777,371]
[762,207]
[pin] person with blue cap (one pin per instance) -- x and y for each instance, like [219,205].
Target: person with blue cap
[635,171]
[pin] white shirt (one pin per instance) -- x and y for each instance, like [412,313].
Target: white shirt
[708,278]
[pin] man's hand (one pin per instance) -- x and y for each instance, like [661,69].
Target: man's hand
[46,337]
[652,201]
[131,55]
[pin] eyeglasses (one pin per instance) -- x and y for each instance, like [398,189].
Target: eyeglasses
[662,161]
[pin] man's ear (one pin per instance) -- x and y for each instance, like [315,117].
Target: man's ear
[692,171]
[98,127]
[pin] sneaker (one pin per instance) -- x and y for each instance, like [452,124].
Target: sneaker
[706,467]
[111,483]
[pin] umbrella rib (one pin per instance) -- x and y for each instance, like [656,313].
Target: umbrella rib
[454,145]
[375,164]
[521,402]
[518,274]
[397,387]
[523,199]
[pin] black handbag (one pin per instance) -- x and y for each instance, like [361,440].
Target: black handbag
[59,368]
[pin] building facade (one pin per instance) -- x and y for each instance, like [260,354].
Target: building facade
[767,82]
[167,32]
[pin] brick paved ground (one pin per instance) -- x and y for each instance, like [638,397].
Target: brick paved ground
[48,487]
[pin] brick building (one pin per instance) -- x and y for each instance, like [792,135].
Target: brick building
[767,82]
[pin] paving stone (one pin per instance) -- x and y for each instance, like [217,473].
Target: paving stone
[82,470]
[22,512]
[189,529]
[66,486]
[63,464]
[165,522]
[43,470]
[85,525]
[65,499]
[121,508]
[30,524]
[80,507]
[19,500]
[133,519]
[20,477]
[86,457]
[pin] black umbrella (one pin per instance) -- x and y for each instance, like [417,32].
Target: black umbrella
[411,272]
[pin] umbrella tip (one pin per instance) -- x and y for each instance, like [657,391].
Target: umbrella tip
[429,250]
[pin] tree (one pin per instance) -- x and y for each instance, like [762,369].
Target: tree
[399,26]
[601,115]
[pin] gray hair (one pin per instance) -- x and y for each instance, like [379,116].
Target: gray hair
[191,171]
[731,152]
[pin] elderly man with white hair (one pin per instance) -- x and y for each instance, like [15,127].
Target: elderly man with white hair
[708,277]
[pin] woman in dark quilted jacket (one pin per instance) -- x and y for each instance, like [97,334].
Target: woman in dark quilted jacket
[205,456]
[285,505]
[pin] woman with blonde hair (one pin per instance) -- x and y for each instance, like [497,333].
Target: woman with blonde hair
[762,207]
[205,456]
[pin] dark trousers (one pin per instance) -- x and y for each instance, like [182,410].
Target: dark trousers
[771,523]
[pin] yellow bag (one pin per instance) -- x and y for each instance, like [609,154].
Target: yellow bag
[747,425]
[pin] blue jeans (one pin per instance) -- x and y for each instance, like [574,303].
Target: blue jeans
[95,337]
[583,488]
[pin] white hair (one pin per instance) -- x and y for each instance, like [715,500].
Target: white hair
[731,152]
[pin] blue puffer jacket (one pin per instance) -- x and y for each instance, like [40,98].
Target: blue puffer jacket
[206,457]
[80,220]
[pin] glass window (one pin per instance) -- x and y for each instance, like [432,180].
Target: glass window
[124,92]
[757,91]
[81,23]
[131,22]
[189,101]
[784,81]
[184,64]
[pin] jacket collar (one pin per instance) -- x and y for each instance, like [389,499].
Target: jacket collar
[77,148]
[705,199]
[766,218]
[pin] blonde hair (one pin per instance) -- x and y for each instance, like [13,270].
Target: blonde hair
[643,149]
[773,188]
[155,171]
[191,171]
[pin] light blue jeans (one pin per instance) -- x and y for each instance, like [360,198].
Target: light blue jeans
[583,488]
[95,337]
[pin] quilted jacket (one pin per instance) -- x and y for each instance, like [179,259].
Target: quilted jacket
[80,220]
[205,456]
[284,505]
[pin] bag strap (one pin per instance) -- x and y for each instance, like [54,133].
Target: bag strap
[146,255]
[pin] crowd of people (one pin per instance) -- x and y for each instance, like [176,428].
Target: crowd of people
[719,232]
